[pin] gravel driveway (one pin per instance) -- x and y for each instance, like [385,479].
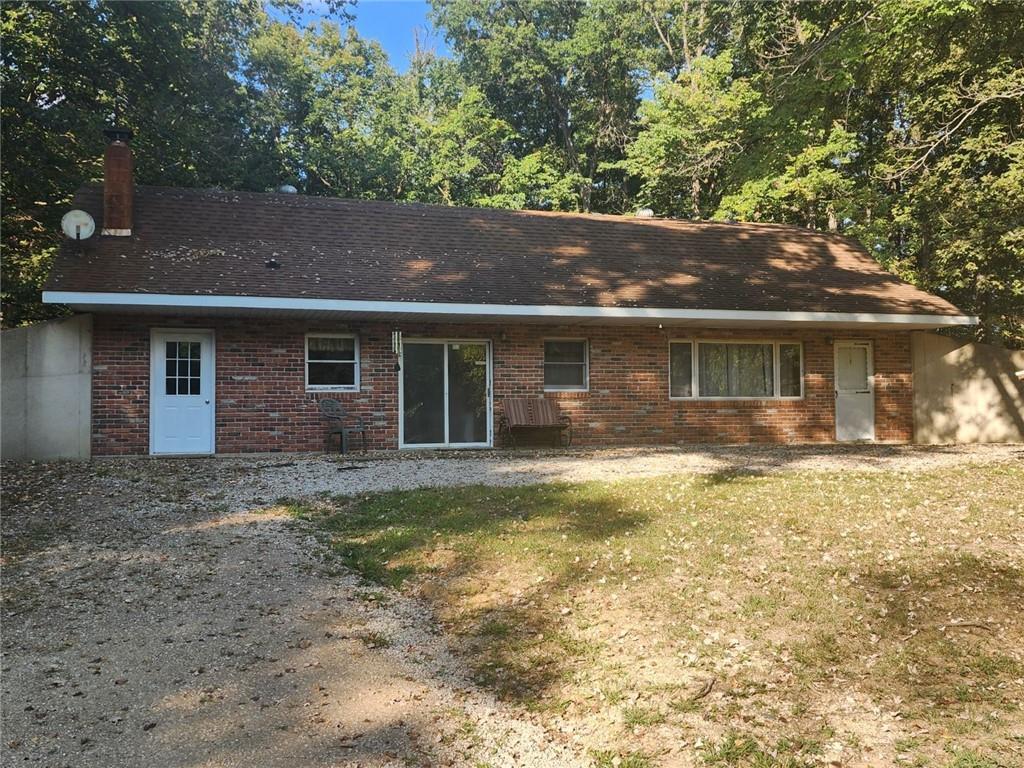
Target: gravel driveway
[153,615]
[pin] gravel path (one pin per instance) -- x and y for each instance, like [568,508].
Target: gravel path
[153,615]
[143,628]
[246,481]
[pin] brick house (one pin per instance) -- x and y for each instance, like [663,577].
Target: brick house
[221,318]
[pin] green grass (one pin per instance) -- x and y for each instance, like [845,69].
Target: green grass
[969,759]
[792,590]
[737,751]
[641,717]
[375,640]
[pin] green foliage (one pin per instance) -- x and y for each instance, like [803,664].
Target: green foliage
[814,190]
[688,132]
[540,180]
[166,69]
[897,123]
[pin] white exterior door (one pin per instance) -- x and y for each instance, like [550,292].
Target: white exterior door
[181,414]
[855,395]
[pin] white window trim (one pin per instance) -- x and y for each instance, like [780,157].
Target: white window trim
[586,363]
[354,387]
[695,369]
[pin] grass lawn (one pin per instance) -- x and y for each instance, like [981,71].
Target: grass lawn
[728,620]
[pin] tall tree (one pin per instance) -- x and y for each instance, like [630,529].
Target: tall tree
[69,69]
[897,123]
[689,134]
[562,74]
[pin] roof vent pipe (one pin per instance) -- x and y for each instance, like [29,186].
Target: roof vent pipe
[118,183]
[645,213]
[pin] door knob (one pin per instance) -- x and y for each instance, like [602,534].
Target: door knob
[207,402]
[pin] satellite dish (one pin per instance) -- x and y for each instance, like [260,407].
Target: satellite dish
[78,225]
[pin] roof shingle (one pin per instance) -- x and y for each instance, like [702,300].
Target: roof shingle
[206,242]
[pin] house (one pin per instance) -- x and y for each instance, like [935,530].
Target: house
[221,318]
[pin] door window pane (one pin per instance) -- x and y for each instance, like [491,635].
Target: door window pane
[467,393]
[565,364]
[736,370]
[680,369]
[789,370]
[853,368]
[182,368]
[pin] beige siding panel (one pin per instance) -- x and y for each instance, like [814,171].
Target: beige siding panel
[966,392]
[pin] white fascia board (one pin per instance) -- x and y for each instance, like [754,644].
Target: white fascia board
[180,301]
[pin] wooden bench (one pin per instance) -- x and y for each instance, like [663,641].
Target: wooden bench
[532,413]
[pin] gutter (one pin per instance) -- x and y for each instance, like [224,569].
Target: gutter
[171,302]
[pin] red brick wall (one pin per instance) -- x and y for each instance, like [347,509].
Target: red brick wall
[262,404]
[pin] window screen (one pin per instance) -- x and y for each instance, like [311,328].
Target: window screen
[680,369]
[736,370]
[331,362]
[565,364]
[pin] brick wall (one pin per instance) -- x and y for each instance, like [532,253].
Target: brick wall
[262,404]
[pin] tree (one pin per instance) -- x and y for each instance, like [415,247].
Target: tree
[562,74]
[323,102]
[688,134]
[69,69]
[813,190]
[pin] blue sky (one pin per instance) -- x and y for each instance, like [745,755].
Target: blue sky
[392,23]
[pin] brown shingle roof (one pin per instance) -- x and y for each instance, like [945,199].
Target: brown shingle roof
[201,242]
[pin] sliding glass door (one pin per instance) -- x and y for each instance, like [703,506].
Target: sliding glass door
[445,394]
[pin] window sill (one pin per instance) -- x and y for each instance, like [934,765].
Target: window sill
[736,399]
[332,389]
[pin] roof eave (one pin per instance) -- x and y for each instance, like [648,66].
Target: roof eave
[425,310]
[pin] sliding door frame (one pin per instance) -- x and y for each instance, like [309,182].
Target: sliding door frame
[446,343]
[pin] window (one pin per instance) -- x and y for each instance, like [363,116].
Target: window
[565,365]
[332,362]
[182,368]
[790,371]
[733,370]
[736,370]
[680,369]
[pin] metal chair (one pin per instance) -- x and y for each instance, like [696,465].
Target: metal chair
[336,416]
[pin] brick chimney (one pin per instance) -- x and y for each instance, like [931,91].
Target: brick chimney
[118,184]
